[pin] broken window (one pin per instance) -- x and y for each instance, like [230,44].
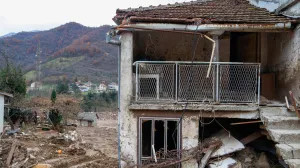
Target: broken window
[159,136]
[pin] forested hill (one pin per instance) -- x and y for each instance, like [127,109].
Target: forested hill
[68,51]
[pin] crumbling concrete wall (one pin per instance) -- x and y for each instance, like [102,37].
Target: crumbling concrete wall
[190,137]
[128,123]
[165,46]
[284,60]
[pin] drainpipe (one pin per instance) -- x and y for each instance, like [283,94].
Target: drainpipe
[109,40]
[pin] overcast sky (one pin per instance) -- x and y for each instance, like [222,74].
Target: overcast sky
[28,15]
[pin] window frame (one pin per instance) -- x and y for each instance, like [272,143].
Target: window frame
[153,119]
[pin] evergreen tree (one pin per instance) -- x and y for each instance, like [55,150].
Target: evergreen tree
[53,96]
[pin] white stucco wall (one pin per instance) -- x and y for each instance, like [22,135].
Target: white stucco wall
[1,112]
[190,136]
[128,123]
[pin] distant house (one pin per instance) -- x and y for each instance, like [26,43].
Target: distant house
[88,84]
[84,88]
[113,86]
[35,85]
[4,101]
[102,88]
[87,119]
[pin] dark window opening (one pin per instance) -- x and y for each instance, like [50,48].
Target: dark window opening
[146,138]
[159,136]
[162,134]
[172,135]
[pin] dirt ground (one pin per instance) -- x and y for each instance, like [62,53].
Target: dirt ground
[77,147]
[103,136]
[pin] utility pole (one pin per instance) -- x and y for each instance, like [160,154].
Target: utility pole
[38,63]
[38,68]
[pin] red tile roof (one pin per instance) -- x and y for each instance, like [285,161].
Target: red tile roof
[213,11]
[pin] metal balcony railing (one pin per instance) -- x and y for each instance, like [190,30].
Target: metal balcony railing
[228,82]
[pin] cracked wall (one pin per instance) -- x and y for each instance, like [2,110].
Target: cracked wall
[284,60]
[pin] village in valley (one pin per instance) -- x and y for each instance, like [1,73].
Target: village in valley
[199,84]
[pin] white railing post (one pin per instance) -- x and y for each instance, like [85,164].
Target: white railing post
[217,76]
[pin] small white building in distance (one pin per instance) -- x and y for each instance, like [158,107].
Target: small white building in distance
[4,101]
[102,88]
[113,86]
[35,85]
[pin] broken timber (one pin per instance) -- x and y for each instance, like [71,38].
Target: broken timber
[251,138]
[206,157]
[11,153]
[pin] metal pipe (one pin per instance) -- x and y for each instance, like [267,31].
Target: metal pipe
[181,28]
[198,62]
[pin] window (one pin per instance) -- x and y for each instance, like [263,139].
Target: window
[162,133]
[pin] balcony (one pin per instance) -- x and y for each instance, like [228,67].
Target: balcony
[175,82]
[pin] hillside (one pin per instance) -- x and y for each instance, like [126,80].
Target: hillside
[68,51]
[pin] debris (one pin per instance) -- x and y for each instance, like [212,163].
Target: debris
[12,132]
[251,137]
[187,155]
[244,156]
[294,104]
[155,159]
[248,160]
[42,166]
[229,144]
[206,157]
[263,161]
[59,151]
[11,153]
[71,135]
[31,156]
[225,163]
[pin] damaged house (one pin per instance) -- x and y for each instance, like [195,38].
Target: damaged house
[190,71]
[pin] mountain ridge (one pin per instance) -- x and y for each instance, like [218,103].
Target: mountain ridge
[64,44]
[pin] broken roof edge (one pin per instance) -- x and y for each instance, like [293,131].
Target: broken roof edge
[6,94]
[268,27]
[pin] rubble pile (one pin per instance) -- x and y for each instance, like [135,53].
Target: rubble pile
[35,149]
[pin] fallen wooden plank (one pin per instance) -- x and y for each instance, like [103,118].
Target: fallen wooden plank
[294,104]
[206,157]
[11,153]
[247,122]
[262,127]
[251,138]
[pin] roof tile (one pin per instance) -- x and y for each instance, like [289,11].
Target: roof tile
[213,11]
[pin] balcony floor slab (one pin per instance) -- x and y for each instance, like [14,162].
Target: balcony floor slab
[221,111]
